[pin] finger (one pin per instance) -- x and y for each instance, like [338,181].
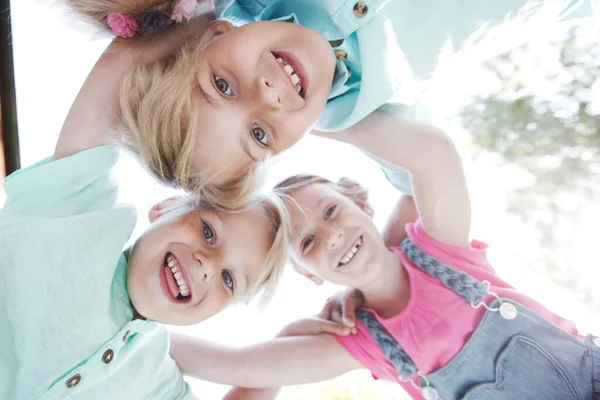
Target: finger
[325,313]
[333,327]
[336,315]
[349,310]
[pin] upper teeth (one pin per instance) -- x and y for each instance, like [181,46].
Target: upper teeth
[291,72]
[350,254]
[176,270]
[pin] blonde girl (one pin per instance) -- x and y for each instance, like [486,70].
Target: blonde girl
[206,102]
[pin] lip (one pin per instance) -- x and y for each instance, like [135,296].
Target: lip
[337,265]
[165,286]
[300,71]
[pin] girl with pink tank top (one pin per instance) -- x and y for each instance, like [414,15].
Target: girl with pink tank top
[436,318]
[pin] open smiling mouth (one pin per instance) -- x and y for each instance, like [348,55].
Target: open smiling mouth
[178,287]
[292,73]
[346,258]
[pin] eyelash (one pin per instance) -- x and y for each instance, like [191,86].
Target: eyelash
[206,227]
[218,78]
[230,275]
[307,242]
[329,211]
[264,132]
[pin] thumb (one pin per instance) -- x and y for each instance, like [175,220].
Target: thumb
[333,327]
[349,307]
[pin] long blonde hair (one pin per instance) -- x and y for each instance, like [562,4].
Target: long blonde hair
[159,112]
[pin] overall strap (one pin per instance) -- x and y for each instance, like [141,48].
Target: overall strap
[459,282]
[390,347]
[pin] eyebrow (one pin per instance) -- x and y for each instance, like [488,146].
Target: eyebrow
[246,148]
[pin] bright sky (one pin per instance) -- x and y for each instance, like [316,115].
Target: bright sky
[53,54]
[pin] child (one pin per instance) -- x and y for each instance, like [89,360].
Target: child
[213,106]
[81,318]
[437,319]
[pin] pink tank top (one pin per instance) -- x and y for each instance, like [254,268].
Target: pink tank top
[436,323]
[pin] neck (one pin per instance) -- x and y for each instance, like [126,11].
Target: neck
[389,292]
[136,314]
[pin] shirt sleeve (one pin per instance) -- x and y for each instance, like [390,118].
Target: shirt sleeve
[81,183]
[397,176]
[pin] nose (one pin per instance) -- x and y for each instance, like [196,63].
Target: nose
[333,238]
[208,269]
[268,94]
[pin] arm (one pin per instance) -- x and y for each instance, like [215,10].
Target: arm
[404,211]
[438,179]
[239,393]
[279,362]
[96,108]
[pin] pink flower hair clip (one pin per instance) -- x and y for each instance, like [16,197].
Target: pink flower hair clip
[126,26]
[183,10]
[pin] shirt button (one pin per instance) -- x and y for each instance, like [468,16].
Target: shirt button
[596,341]
[73,381]
[126,335]
[108,356]
[360,9]
[341,55]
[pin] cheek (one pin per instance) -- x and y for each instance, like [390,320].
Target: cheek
[292,129]
[218,301]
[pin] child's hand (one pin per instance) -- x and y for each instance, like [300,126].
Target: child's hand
[314,326]
[341,307]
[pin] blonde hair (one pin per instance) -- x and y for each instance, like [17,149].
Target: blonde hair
[276,213]
[159,113]
[345,186]
[277,257]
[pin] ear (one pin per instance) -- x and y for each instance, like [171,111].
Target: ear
[365,206]
[160,208]
[219,27]
[307,274]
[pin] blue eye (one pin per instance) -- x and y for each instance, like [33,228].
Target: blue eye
[222,86]
[329,212]
[307,242]
[228,279]
[260,135]
[208,233]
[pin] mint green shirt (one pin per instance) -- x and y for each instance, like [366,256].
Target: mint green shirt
[66,321]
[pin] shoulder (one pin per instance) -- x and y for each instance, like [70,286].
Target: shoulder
[79,183]
[154,367]
[475,255]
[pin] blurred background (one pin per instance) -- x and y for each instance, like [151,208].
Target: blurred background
[526,121]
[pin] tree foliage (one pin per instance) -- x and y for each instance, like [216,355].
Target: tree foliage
[545,119]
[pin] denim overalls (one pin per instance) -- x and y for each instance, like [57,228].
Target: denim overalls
[513,353]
